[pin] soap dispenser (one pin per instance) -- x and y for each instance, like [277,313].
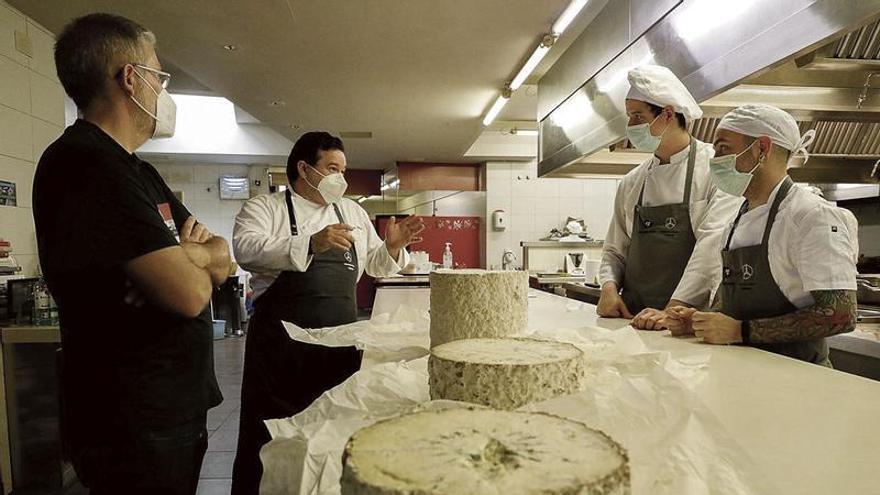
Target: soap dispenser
[447,256]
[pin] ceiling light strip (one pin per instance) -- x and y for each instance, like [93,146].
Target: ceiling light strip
[529,66]
[561,24]
[495,110]
[568,15]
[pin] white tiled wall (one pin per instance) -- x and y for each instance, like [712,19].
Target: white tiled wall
[200,186]
[31,117]
[534,206]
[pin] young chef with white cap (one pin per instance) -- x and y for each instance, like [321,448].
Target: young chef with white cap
[662,242]
[789,257]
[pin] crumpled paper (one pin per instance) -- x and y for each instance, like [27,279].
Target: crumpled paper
[402,335]
[676,445]
[641,398]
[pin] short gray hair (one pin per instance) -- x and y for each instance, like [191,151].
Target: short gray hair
[92,49]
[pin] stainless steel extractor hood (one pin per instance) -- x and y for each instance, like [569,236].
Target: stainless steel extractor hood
[783,53]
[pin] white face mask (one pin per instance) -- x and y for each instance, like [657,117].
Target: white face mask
[727,178]
[332,187]
[166,111]
[640,136]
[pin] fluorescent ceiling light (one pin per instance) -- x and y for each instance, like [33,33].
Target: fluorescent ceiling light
[495,110]
[525,132]
[568,15]
[529,66]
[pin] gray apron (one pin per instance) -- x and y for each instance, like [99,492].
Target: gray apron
[283,376]
[749,292]
[661,246]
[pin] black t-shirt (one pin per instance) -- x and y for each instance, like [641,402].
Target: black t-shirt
[96,206]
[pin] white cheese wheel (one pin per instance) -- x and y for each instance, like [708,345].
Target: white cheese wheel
[467,304]
[482,451]
[504,373]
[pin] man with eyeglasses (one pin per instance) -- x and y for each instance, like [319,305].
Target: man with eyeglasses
[131,270]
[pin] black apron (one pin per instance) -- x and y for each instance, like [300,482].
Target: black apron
[748,290]
[283,376]
[661,246]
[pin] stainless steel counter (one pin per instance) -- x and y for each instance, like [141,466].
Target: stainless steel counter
[416,280]
[582,292]
[540,244]
[538,281]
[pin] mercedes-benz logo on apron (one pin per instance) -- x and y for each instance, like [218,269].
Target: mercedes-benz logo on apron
[670,223]
[348,256]
[747,272]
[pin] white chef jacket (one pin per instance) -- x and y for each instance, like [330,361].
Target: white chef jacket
[263,245]
[710,211]
[813,244]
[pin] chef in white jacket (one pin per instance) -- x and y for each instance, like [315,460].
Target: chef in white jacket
[307,248]
[661,245]
[789,256]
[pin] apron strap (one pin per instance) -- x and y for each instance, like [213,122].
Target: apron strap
[342,220]
[689,176]
[787,183]
[338,213]
[744,207]
[689,179]
[293,228]
[771,216]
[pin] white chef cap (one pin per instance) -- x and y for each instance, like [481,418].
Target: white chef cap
[758,120]
[658,86]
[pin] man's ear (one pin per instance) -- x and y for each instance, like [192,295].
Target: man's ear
[301,167]
[126,79]
[765,147]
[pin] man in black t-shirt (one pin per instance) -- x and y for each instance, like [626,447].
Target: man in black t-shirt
[131,270]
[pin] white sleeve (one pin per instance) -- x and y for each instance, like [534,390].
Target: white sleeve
[616,246]
[379,260]
[703,271]
[258,249]
[825,252]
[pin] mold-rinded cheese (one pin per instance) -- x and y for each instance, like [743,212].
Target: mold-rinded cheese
[467,304]
[504,373]
[483,451]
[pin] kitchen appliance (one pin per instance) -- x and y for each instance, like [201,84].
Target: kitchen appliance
[868,289]
[575,264]
[20,300]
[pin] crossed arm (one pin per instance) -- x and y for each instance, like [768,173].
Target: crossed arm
[833,312]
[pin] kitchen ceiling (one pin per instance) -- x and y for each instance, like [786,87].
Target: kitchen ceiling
[417,74]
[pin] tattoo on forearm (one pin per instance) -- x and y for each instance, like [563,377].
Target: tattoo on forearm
[834,312]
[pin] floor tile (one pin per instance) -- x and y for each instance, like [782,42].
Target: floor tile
[214,487]
[223,441]
[217,465]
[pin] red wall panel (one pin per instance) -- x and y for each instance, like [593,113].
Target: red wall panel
[462,232]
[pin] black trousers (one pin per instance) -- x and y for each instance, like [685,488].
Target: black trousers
[144,460]
[281,378]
